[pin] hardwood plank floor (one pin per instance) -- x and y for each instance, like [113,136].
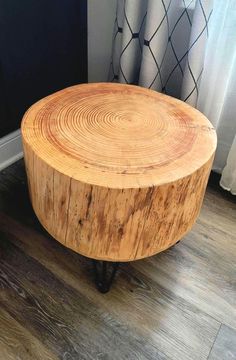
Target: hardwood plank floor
[170,306]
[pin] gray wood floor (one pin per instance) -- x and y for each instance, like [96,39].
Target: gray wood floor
[180,304]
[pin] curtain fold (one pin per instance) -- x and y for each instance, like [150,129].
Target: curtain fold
[228,179]
[186,49]
[217,92]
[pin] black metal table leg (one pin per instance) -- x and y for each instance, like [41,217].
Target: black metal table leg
[104,276]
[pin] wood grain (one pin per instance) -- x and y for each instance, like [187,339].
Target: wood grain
[18,343]
[72,327]
[116,172]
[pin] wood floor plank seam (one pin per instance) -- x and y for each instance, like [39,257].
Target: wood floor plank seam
[214,341]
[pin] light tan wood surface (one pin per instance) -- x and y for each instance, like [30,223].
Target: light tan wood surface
[116,172]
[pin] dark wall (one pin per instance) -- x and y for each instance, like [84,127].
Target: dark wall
[43,48]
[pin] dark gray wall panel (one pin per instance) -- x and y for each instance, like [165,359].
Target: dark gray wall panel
[43,48]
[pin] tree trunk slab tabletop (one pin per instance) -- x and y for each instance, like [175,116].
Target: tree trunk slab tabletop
[116,172]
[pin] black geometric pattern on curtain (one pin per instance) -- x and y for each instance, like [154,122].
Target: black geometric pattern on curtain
[161,45]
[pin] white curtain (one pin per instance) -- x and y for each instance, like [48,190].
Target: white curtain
[185,48]
[160,44]
[217,93]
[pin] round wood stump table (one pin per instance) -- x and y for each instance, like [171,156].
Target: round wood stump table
[116,172]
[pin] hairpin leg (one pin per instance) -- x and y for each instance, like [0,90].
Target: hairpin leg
[104,276]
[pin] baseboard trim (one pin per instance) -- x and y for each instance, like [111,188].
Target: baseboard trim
[10,149]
